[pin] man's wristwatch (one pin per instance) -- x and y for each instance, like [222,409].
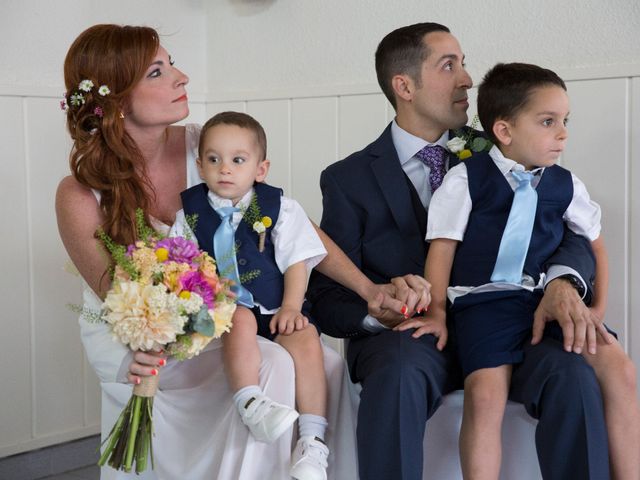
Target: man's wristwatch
[575,283]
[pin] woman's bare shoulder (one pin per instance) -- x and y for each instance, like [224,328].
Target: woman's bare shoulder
[75,200]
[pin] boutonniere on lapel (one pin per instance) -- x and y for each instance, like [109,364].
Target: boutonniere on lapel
[259,223]
[467,142]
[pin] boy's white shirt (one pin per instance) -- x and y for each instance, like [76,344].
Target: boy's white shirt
[294,237]
[582,215]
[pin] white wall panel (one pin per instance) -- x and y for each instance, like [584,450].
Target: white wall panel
[313,147]
[15,287]
[59,392]
[597,153]
[361,119]
[634,194]
[274,116]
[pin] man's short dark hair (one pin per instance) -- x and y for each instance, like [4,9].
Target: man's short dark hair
[402,52]
[238,119]
[505,91]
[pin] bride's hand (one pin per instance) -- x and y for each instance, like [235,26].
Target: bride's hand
[145,364]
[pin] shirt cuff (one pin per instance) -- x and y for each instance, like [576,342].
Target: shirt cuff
[555,271]
[372,325]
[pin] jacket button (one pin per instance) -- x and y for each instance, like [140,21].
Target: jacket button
[242,261]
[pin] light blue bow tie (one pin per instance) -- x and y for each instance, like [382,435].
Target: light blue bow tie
[517,233]
[224,249]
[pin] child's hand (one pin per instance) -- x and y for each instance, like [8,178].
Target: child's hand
[433,322]
[287,320]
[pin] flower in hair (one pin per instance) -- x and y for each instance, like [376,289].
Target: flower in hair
[98,112]
[104,90]
[85,85]
[77,99]
[63,103]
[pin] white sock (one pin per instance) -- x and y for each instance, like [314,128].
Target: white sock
[242,396]
[310,425]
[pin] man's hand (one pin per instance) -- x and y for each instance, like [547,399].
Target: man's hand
[561,302]
[386,309]
[434,322]
[287,320]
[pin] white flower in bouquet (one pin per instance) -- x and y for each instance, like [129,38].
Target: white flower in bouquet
[143,317]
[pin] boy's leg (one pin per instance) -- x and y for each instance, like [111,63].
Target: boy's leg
[266,419]
[311,384]
[240,351]
[485,398]
[617,377]
[309,458]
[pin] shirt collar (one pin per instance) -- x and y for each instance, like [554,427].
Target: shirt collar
[505,165]
[217,201]
[407,144]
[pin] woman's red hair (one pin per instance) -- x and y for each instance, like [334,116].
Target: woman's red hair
[104,156]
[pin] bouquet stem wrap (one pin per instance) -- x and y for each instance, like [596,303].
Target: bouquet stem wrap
[129,441]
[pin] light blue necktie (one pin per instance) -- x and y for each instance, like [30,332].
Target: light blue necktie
[224,249]
[517,234]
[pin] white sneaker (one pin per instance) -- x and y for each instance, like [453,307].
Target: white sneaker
[266,419]
[309,459]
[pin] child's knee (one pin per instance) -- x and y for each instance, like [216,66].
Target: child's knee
[304,342]
[624,374]
[485,392]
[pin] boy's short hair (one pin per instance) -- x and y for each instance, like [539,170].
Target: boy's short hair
[505,91]
[403,51]
[238,119]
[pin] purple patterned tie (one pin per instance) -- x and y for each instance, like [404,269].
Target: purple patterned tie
[433,156]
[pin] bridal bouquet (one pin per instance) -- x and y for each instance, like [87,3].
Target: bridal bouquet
[165,295]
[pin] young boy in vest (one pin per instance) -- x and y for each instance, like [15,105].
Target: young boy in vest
[270,249]
[493,270]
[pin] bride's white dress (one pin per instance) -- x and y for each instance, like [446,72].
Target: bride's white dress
[198,432]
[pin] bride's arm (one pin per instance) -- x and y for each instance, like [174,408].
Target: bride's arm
[79,215]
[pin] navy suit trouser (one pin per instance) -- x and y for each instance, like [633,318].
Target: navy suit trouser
[561,391]
[404,379]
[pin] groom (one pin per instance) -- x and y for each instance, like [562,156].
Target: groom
[375,208]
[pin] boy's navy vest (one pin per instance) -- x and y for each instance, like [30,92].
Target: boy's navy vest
[267,289]
[491,197]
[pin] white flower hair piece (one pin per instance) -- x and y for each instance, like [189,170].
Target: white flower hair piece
[85,85]
[104,90]
[77,99]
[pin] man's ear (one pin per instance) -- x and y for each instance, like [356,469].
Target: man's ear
[403,86]
[263,169]
[502,131]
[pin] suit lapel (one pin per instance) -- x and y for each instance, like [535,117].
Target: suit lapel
[393,183]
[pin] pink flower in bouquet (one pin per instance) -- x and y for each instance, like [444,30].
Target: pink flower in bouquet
[195,283]
[180,249]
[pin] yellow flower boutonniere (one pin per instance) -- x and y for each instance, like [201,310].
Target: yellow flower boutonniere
[258,222]
[260,227]
[465,144]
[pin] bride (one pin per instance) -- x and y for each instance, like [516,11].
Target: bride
[123,97]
